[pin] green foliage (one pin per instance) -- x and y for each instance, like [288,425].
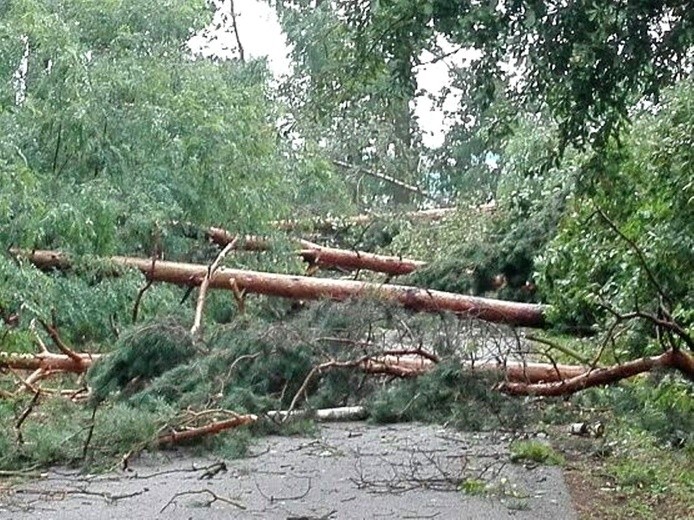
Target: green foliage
[56,431]
[535,451]
[234,445]
[499,259]
[349,113]
[474,486]
[142,354]
[649,477]
[110,133]
[448,395]
[432,243]
[627,239]
[661,405]
[586,61]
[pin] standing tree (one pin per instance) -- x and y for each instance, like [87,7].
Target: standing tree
[110,129]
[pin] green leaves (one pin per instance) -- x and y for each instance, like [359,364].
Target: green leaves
[120,133]
[628,241]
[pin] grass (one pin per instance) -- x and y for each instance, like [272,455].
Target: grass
[644,465]
[639,481]
[474,486]
[535,451]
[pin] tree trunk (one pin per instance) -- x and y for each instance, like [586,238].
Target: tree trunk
[306,288]
[48,362]
[322,256]
[328,224]
[517,371]
[676,359]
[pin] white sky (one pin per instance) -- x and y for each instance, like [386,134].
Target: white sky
[261,36]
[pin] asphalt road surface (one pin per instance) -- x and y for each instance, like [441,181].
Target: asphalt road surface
[347,471]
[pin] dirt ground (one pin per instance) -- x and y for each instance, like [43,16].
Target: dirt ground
[347,470]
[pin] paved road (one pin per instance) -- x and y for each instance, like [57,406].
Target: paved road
[348,471]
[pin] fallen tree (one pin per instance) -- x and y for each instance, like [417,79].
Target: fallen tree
[516,371]
[672,359]
[520,377]
[48,362]
[322,256]
[307,288]
[389,364]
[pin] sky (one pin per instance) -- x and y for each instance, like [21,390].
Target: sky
[261,36]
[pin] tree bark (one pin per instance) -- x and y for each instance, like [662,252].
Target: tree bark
[674,359]
[48,362]
[343,413]
[201,431]
[331,257]
[516,371]
[307,288]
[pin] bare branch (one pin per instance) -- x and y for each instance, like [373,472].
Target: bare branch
[639,253]
[236,31]
[197,324]
[388,178]
[211,501]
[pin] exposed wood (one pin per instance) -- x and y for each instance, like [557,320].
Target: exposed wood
[212,428]
[516,371]
[322,256]
[197,322]
[401,365]
[306,288]
[352,260]
[674,359]
[366,363]
[48,362]
[342,413]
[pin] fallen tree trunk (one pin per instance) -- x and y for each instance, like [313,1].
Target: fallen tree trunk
[307,288]
[316,254]
[48,362]
[516,371]
[343,413]
[674,359]
[403,366]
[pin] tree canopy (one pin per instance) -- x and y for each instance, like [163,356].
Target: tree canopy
[587,62]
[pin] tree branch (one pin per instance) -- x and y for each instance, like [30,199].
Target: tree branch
[197,324]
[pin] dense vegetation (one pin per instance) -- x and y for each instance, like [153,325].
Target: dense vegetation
[116,139]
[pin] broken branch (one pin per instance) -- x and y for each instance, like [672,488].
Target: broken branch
[209,429]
